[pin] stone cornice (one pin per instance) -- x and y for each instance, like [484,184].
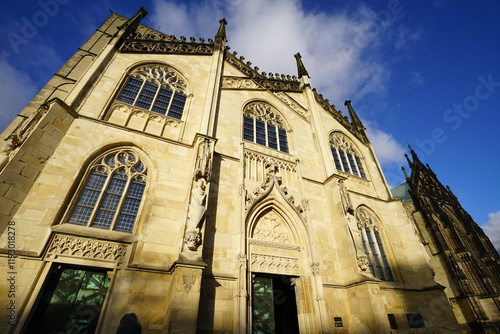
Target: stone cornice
[168,47]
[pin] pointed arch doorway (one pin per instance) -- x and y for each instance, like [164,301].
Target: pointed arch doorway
[275,260]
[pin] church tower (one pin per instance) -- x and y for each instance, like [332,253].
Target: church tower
[462,256]
[165,181]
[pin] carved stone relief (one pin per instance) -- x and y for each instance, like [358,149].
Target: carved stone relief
[188,281]
[271,227]
[87,248]
[166,47]
[274,264]
[291,103]
[239,83]
[150,115]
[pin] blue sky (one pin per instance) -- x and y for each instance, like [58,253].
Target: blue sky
[420,72]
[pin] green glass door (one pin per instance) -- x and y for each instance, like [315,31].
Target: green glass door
[71,301]
[274,306]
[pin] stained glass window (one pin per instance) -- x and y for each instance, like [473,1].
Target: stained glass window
[345,155]
[155,88]
[263,125]
[373,246]
[111,195]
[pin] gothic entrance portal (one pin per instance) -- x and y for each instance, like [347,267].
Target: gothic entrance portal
[274,306]
[71,301]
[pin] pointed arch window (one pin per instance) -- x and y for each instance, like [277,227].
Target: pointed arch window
[264,126]
[156,88]
[345,155]
[111,193]
[373,246]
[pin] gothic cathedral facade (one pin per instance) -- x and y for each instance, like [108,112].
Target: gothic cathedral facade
[168,178]
[463,257]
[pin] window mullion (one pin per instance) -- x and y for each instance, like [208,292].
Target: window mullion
[99,200]
[377,249]
[171,100]
[278,137]
[254,129]
[266,133]
[351,170]
[355,165]
[139,92]
[367,248]
[120,202]
[154,98]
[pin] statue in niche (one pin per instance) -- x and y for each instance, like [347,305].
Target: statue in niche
[345,198]
[197,205]
[358,242]
[203,160]
[196,213]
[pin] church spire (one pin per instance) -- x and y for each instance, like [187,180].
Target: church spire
[130,26]
[300,65]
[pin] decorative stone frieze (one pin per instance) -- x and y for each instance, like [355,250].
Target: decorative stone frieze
[86,248]
[291,103]
[274,264]
[166,47]
[239,83]
[274,244]
[130,111]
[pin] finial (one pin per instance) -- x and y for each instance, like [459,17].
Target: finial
[355,120]
[221,33]
[409,146]
[410,163]
[404,172]
[131,24]
[300,65]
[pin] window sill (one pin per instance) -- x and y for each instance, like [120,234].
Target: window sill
[96,233]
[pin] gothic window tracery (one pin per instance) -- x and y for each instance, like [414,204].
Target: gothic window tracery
[156,88]
[373,245]
[112,191]
[264,126]
[345,155]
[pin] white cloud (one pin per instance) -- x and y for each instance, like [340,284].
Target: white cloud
[389,151]
[492,229]
[340,50]
[14,93]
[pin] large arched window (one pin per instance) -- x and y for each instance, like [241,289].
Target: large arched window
[110,196]
[373,245]
[264,126]
[345,155]
[156,88]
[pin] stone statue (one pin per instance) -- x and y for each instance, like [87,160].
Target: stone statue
[358,242]
[203,161]
[346,199]
[197,205]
